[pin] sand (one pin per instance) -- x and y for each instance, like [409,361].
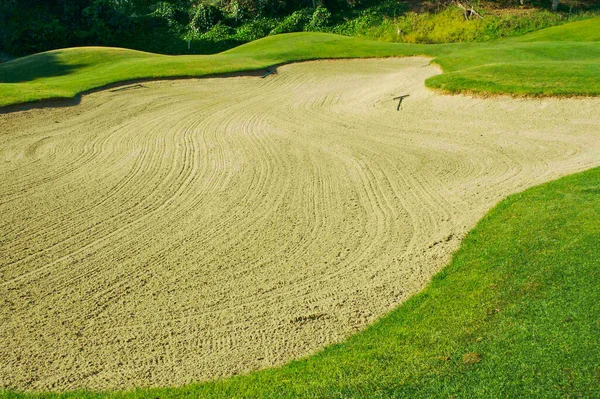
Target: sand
[180,231]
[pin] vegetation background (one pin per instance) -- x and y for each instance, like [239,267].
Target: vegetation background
[211,26]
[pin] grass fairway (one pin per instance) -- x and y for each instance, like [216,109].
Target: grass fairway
[562,60]
[515,314]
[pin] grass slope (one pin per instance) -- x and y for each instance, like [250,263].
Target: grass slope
[515,314]
[563,60]
[537,68]
[582,31]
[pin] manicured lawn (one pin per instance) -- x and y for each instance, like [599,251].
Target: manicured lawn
[559,68]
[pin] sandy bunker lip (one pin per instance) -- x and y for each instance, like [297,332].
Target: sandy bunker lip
[188,230]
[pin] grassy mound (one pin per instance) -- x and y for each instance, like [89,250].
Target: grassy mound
[535,64]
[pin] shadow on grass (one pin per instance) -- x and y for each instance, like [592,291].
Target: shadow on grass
[36,66]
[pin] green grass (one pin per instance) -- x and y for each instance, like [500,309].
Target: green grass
[515,314]
[536,69]
[562,60]
[517,311]
[583,31]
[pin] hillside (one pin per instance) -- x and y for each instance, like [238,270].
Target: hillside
[192,27]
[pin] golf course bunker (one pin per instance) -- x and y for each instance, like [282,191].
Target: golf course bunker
[179,231]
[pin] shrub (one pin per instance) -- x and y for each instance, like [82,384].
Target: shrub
[320,19]
[364,23]
[255,29]
[236,12]
[218,32]
[269,7]
[205,17]
[294,22]
[511,25]
[165,11]
[390,8]
[449,25]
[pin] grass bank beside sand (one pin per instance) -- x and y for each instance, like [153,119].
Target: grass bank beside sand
[563,60]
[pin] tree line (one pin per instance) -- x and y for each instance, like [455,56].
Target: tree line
[30,26]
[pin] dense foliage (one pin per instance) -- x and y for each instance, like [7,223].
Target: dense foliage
[30,26]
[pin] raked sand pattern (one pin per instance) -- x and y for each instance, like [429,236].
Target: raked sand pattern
[179,231]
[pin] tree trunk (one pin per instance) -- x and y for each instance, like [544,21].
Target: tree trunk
[555,5]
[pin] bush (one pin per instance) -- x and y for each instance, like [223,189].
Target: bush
[320,19]
[449,25]
[165,11]
[269,7]
[364,23]
[236,12]
[390,8]
[219,32]
[29,26]
[205,17]
[294,22]
[255,29]
[43,34]
[512,25]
